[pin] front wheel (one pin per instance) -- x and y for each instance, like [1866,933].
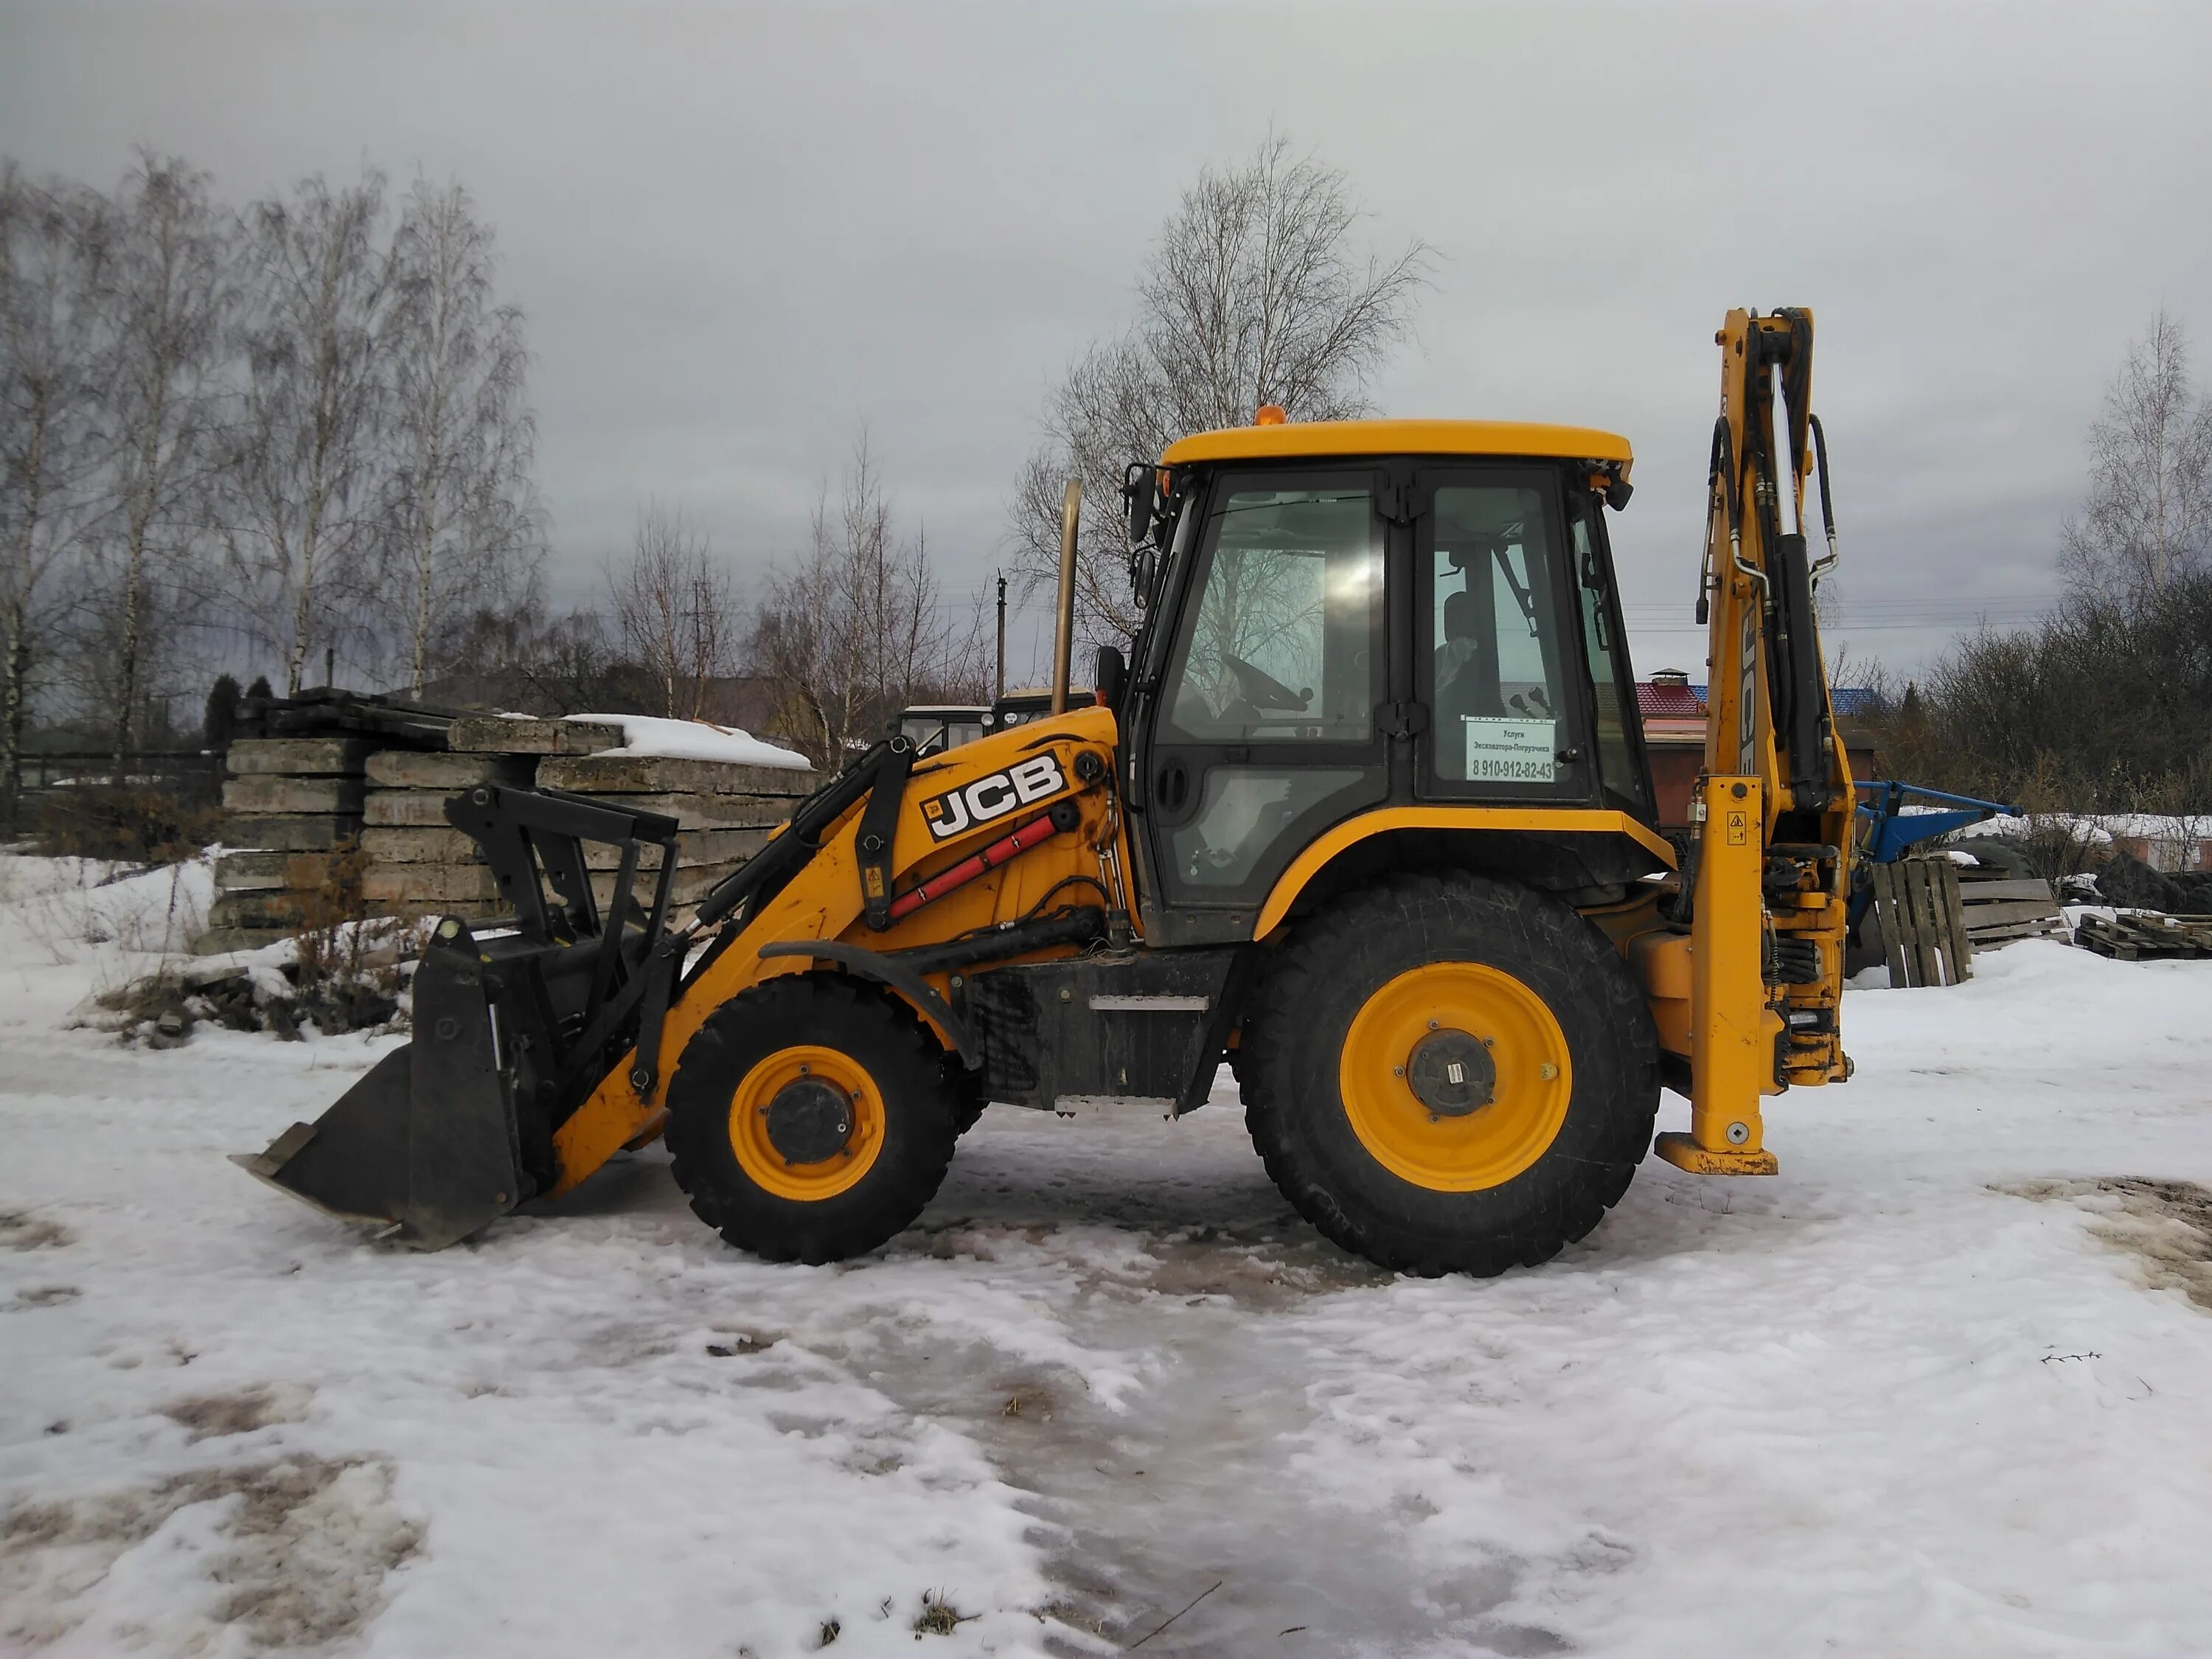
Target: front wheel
[1450,1073]
[809,1119]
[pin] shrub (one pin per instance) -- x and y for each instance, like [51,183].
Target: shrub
[135,822]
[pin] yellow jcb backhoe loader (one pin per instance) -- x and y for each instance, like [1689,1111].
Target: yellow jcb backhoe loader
[1367,813]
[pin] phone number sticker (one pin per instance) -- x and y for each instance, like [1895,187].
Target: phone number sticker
[1511,751]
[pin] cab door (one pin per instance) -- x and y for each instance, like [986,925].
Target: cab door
[1498,650]
[1261,724]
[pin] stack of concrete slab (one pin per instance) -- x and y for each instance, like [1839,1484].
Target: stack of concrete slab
[723,811]
[322,812]
[293,807]
[419,864]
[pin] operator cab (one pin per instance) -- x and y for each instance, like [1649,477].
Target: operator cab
[1341,617]
[933,728]
[1020,708]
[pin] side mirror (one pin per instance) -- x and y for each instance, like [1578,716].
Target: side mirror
[1140,490]
[1112,677]
[1144,568]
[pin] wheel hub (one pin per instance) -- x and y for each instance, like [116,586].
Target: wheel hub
[1451,1073]
[808,1121]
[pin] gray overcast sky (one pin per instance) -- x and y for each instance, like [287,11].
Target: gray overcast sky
[740,232]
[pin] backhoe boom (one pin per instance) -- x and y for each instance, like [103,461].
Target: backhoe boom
[1774,804]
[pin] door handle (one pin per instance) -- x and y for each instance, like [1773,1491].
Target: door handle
[1172,785]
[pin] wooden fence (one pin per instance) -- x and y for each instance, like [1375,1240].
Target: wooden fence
[197,775]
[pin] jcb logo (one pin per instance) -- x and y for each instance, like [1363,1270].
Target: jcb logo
[994,796]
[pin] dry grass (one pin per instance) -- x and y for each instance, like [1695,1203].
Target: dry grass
[938,1616]
[125,820]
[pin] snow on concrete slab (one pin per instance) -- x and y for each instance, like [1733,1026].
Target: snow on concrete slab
[1942,1385]
[650,735]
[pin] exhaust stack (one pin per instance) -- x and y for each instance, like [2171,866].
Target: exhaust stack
[1063,635]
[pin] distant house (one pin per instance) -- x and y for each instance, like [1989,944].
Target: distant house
[1674,735]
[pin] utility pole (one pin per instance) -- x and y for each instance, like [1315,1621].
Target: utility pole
[1002,635]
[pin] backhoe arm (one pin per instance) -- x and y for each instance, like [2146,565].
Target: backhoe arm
[1774,802]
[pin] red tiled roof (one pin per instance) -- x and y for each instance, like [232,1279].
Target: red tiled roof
[1670,701]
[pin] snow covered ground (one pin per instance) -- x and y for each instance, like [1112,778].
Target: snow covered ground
[1944,1386]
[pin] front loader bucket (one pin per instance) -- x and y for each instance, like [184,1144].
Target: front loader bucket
[425,1146]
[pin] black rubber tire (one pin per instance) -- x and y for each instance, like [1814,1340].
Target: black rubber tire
[1294,1108]
[969,1098]
[919,1107]
[1995,853]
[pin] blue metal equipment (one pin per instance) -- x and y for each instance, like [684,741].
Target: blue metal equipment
[1887,830]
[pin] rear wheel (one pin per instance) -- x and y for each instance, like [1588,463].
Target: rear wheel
[810,1120]
[1450,1073]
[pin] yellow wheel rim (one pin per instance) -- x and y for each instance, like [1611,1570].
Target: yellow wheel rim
[1446,1007]
[764,1108]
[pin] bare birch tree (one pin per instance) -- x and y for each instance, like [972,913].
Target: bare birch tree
[166,295]
[676,612]
[2149,515]
[1255,294]
[305,466]
[53,247]
[464,513]
[857,627]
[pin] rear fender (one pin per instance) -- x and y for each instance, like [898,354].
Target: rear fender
[1571,846]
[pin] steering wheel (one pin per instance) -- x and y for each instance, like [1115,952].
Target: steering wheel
[1264,690]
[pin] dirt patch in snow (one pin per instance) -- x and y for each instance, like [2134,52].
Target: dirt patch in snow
[2165,1225]
[299,1547]
[1193,1482]
[42,1296]
[240,1411]
[21,1231]
[1255,1265]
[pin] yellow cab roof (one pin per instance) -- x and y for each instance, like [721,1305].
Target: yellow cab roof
[1295,438]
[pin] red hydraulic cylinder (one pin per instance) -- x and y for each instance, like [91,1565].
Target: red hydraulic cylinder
[1037,830]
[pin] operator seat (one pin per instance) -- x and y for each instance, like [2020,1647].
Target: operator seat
[1465,676]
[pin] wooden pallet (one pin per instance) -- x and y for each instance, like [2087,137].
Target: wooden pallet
[1999,909]
[1918,911]
[2147,936]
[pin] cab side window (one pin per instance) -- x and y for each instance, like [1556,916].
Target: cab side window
[1279,649]
[1496,667]
[1268,732]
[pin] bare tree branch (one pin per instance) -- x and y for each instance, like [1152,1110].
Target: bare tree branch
[1253,294]
[53,250]
[168,295]
[305,463]
[857,627]
[676,611]
[2149,515]
[464,513]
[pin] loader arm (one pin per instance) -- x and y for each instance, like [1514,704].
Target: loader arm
[1774,804]
[1021,830]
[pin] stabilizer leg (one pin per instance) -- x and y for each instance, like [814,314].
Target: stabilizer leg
[1733,1030]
